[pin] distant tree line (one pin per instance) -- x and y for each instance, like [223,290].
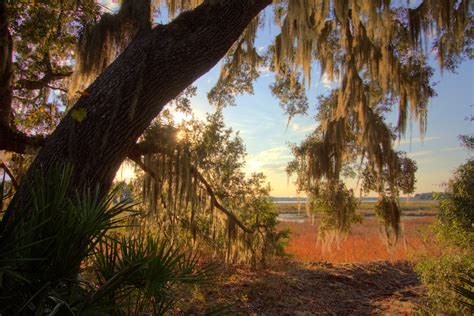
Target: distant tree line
[427,196]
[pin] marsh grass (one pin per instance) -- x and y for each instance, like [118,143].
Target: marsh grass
[365,242]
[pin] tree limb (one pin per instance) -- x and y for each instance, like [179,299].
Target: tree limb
[44,82]
[135,157]
[20,143]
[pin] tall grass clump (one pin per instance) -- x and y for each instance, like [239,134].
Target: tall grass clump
[63,255]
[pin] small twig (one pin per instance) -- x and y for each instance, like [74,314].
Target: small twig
[56,88]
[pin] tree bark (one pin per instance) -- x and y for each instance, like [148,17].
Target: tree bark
[6,69]
[104,125]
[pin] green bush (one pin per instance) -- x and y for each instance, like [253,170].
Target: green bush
[442,276]
[456,217]
[449,278]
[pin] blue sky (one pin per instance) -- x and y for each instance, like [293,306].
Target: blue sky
[263,124]
[263,127]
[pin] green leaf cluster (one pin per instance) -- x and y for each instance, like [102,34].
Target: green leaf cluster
[449,278]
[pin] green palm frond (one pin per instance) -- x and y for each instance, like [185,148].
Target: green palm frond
[466,291]
[42,250]
[147,268]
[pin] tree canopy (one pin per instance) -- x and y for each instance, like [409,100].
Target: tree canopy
[377,52]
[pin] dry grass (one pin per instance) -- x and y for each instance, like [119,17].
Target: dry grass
[413,208]
[365,243]
[362,276]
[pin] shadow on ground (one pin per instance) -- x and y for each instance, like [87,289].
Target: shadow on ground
[317,288]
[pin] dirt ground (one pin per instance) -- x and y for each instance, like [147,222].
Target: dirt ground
[318,288]
[362,276]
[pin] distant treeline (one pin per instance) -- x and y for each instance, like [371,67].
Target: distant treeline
[428,196]
[287,199]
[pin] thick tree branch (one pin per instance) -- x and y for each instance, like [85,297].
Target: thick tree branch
[49,76]
[44,82]
[216,203]
[18,142]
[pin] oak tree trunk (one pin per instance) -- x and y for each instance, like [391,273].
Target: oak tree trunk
[122,102]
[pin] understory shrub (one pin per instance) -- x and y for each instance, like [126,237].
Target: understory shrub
[449,278]
[65,256]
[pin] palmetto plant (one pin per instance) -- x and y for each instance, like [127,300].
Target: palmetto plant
[140,274]
[42,252]
[465,290]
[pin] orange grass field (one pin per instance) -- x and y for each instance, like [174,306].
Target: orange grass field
[364,243]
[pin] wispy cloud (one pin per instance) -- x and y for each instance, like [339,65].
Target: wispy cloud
[110,5]
[326,82]
[302,129]
[274,159]
[295,127]
[420,153]
[450,149]
[275,153]
[417,140]
[264,71]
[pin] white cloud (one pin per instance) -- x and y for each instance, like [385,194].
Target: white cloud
[274,159]
[327,82]
[264,70]
[110,5]
[302,129]
[416,140]
[450,149]
[272,154]
[420,153]
[309,128]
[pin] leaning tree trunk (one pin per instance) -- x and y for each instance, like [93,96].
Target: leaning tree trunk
[105,123]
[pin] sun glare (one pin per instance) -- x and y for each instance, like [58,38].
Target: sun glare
[179,117]
[181,135]
[125,173]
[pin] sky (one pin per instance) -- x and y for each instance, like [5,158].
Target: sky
[266,133]
[264,129]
